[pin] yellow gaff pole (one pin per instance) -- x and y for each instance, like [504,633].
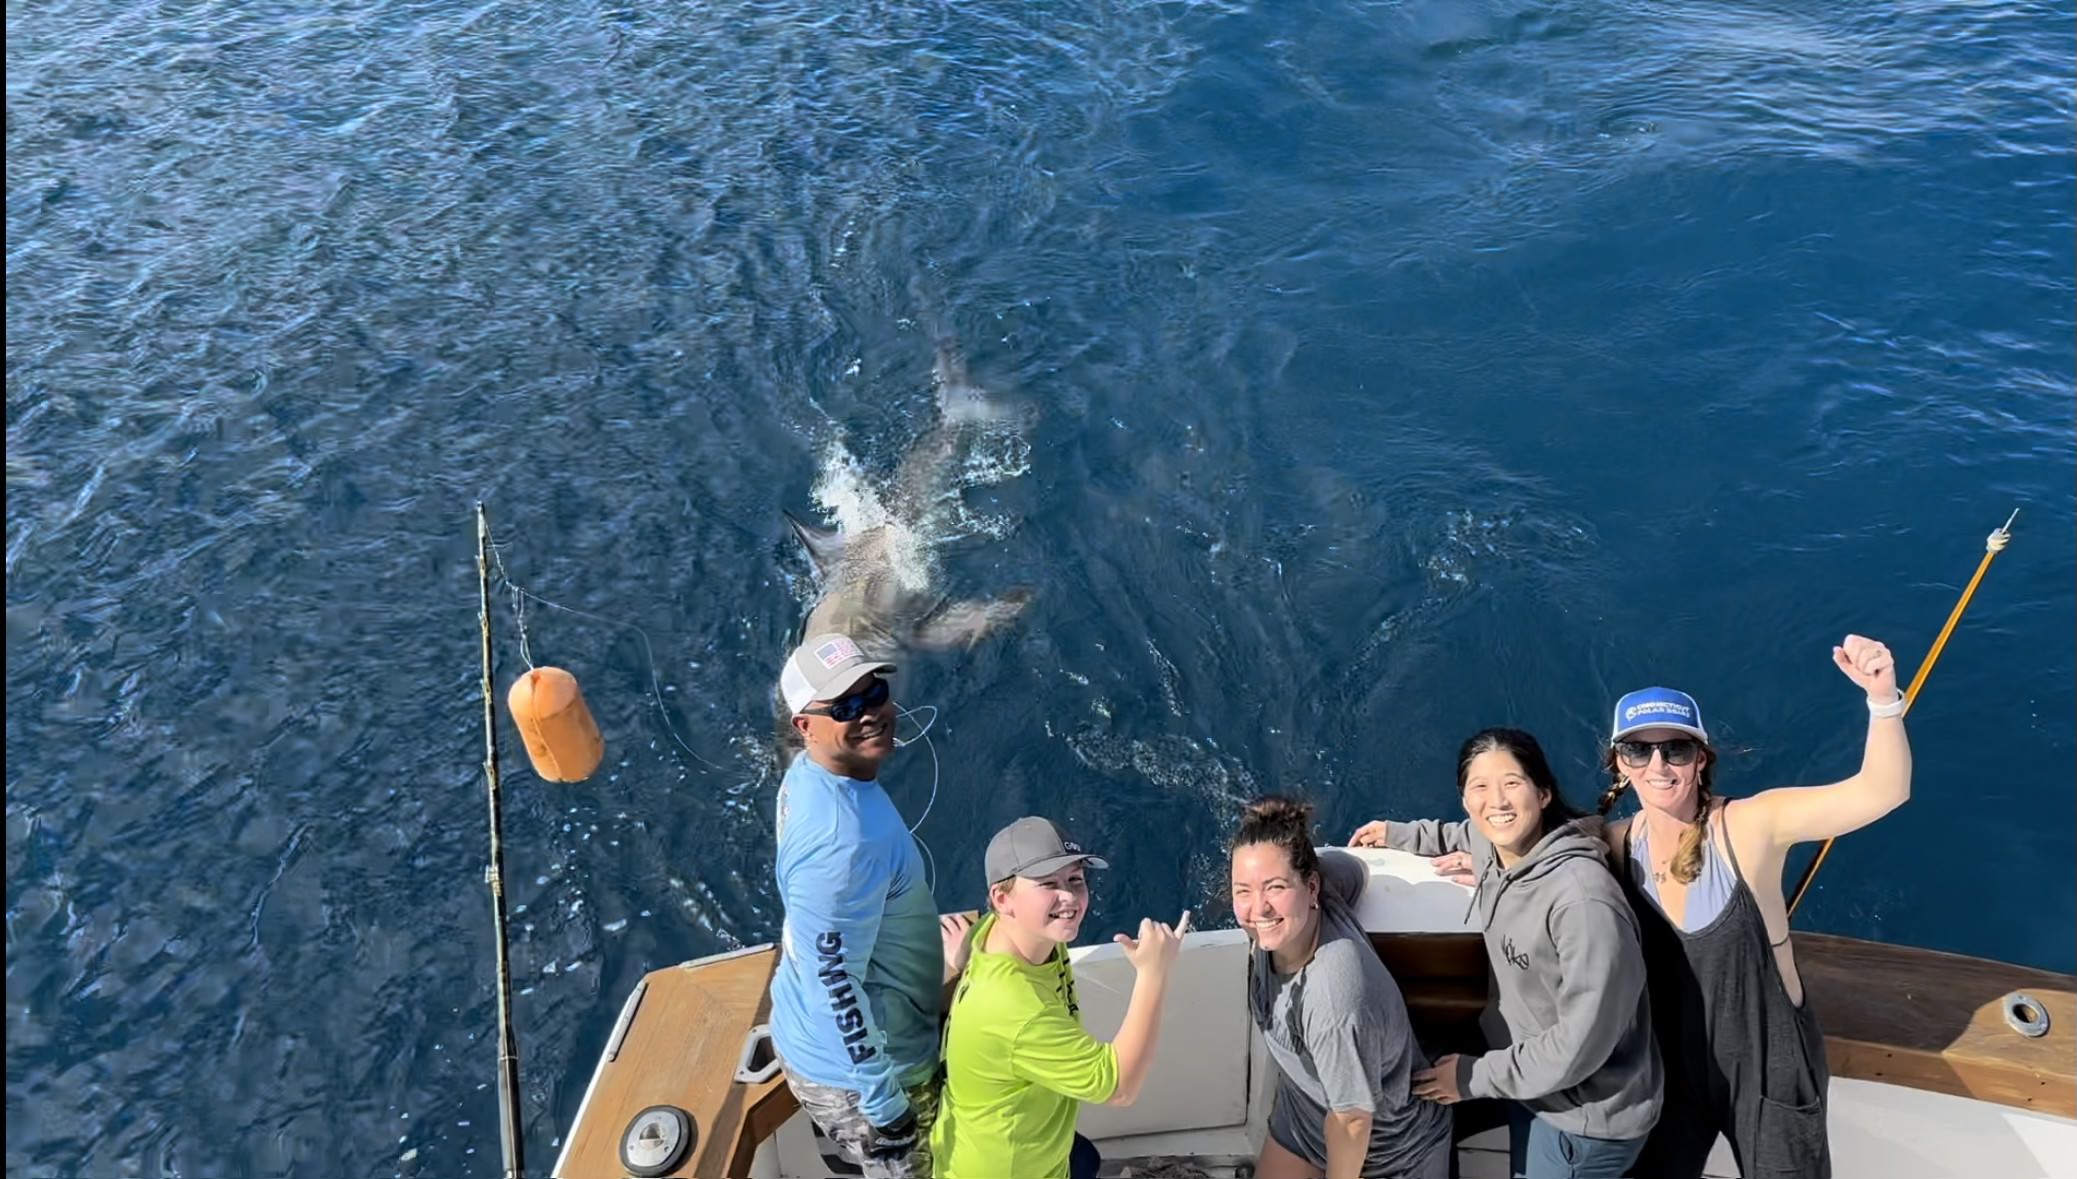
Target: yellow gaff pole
[1991,548]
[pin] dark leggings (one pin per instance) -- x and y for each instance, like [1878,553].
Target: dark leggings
[1083,1159]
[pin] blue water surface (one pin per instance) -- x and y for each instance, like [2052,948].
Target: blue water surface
[1385,370]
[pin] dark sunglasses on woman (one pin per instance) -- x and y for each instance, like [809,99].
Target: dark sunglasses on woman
[845,709]
[1679,751]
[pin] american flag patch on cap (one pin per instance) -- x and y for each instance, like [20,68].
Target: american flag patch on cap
[836,651]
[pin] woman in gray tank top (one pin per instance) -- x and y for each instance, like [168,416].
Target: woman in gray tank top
[1744,1056]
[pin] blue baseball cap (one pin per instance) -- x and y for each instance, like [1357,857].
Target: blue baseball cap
[1657,708]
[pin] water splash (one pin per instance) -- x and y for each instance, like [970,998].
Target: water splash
[982,450]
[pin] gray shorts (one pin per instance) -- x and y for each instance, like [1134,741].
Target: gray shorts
[835,1112]
[1297,1123]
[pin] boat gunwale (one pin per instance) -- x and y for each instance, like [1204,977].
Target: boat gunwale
[1443,992]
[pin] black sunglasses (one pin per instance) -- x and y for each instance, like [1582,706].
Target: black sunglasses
[845,709]
[1679,751]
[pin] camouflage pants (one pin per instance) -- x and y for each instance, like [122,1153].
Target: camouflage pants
[835,1111]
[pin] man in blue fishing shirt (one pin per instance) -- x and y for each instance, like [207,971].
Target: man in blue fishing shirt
[856,993]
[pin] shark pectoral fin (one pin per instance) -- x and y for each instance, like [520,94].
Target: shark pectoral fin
[962,624]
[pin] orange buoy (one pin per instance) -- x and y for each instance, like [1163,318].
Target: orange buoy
[561,739]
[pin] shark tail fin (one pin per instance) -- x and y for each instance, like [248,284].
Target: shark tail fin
[959,399]
[824,545]
[950,365]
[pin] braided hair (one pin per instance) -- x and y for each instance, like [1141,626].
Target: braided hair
[1687,855]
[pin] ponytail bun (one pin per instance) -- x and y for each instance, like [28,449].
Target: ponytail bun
[1284,822]
[1274,810]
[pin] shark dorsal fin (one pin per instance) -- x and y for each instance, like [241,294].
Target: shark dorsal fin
[825,546]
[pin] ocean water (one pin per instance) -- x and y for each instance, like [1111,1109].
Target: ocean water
[1382,371]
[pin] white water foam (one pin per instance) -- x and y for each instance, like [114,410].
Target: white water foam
[850,501]
[993,451]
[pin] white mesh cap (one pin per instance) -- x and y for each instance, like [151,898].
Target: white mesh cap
[824,668]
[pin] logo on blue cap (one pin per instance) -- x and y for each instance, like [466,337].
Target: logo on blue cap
[1657,708]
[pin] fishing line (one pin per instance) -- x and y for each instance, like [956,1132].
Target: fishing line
[521,595]
[930,864]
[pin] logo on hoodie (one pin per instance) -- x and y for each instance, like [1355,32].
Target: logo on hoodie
[1515,958]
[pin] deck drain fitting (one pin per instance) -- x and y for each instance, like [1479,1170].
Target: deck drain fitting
[2026,1015]
[657,1140]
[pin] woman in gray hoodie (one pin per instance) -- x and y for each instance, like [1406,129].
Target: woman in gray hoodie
[1579,1061]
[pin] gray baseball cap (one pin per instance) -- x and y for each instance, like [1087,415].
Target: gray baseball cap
[1033,847]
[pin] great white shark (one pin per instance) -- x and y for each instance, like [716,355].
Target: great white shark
[878,585]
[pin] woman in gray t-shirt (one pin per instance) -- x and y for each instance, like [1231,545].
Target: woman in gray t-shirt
[1333,1018]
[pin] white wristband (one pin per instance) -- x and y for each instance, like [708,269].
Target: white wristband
[1886,711]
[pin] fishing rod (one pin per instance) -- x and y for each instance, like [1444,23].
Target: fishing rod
[494,875]
[1991,548]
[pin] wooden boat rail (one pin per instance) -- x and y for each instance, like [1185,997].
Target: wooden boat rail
[1916,1018]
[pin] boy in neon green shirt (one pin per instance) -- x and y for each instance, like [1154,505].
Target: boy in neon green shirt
[1017,1060]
